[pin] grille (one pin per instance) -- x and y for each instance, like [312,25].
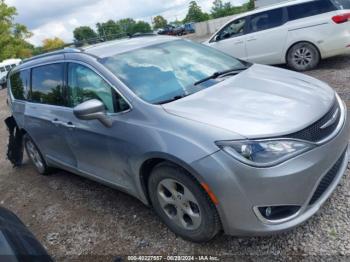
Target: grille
[314,133]
[327,180]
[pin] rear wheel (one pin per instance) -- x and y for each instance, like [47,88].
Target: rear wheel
[182,204]
[303,56]
[35,155]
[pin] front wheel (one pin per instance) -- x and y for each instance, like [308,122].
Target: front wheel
[182,204]
[303,56]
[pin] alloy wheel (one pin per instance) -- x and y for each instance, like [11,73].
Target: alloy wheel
[302,57]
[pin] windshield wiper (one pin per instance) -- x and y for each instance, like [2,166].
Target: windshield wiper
[170,100]
[231,71]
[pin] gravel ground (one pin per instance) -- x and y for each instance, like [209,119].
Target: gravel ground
[75,217]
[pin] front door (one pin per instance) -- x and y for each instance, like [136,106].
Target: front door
[101,151]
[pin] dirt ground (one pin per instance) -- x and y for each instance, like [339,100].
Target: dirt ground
[74,217]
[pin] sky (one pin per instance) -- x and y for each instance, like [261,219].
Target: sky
[51,18]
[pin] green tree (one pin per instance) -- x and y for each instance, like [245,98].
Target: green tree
[159,22]
[84,34]
[109,30]
[127,25]
[142,27]
[251,5]
[195,13]
[50,44]
[12,35]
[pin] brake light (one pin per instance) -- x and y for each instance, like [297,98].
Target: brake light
[339,19]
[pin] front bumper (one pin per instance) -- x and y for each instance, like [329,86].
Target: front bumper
[241,188]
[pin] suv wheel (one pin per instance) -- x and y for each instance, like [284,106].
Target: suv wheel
[303,56]
[35,156]
[182,204]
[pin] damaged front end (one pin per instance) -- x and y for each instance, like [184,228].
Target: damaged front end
[15,145]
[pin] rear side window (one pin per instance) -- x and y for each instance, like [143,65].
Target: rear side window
[19,84]
[2,69]
[266,20]
[47,85]
[341,4]
[309,9]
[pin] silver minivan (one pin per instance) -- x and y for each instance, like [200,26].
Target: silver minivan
[211,142]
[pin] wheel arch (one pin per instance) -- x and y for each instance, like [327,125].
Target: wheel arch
[298,42]
[152,161]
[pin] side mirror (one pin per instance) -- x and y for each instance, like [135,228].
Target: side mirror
[91,110]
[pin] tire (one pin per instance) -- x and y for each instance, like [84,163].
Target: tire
[303,56]
[35,156]
[182,204]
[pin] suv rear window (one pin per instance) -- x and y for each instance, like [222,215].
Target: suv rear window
[309,9]
[341,4]
[19,84]
[47,84]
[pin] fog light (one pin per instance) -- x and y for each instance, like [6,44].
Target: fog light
[278,212]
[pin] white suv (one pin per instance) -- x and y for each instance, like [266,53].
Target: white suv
[298,33]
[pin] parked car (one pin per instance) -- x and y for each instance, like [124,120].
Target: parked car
[168,30]
[190,28]
[179,31]
[299,33]
[5,67]
[211,142]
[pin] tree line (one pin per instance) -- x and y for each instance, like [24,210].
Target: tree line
[13,35]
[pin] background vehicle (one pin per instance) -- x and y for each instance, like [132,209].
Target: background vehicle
[17,243]
[211,142]
[190,28]
[168,30]
[5,67]
[298,33]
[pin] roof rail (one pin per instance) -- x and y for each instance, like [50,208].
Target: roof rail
[57,52]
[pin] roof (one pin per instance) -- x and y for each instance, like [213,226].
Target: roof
[273,6]
[114,47]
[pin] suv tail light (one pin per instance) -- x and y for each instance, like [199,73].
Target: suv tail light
[339,19]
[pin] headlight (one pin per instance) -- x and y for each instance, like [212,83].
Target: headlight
[264,153]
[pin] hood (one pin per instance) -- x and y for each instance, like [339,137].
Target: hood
[262,101]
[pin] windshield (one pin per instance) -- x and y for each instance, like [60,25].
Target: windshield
[169,70]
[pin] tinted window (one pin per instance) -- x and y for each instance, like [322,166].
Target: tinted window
[8,68]
[342,4]
[236,28]
[266,20]
[13,66]
[2,69]
[19,84]
[47,85]
[84,84]
[309,9]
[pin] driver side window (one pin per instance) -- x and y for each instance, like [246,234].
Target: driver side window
[234,29]
[84,84]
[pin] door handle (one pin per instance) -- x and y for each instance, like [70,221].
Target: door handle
[251,39]
[56,122]
[238,42]
[69,125]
